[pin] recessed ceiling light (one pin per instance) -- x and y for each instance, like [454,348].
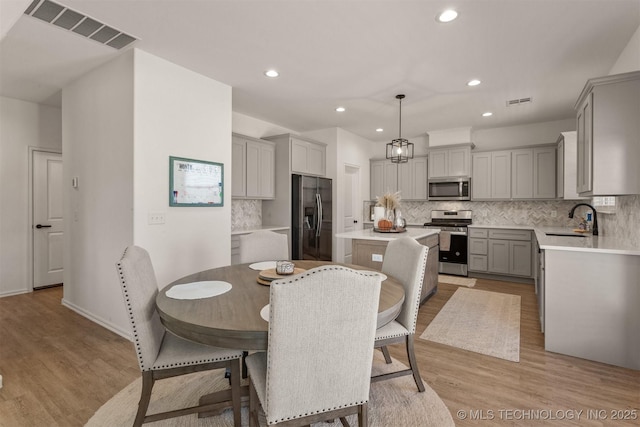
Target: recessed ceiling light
[271,73]
[379,130]
[474,82]
[447,16]
[487,114]
[340,109]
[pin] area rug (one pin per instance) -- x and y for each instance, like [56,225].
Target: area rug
[395,402]
[479,321]
[469,282]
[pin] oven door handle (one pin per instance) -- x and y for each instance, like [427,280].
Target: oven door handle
[457,233]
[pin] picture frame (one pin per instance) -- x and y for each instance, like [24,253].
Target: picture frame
[196,183]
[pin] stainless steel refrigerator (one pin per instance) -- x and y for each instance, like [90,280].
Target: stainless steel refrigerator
[311,231]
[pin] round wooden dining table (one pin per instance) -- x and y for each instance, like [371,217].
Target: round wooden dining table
[232,319]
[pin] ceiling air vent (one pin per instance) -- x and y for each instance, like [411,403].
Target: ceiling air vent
[519,101]
[80,24]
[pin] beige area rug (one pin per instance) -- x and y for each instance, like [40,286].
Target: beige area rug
[480,321]
[395,402]
[469,282]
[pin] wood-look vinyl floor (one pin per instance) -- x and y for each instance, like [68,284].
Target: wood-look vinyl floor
[58,368]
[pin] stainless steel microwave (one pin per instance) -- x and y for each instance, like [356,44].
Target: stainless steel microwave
[450,189]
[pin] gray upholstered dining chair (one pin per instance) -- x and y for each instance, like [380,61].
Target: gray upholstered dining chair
[405,259]
[318,363]
[162,354]
[263,245]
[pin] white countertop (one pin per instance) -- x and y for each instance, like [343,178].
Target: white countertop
[258,228]
[588,243]
[369,234]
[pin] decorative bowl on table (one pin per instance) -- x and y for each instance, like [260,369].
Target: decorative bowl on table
[285,267]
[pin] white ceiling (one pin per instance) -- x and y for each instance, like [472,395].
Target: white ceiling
[353,53]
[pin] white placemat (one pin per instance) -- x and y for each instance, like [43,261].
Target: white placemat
[197,290]
[264,265]
[264,313]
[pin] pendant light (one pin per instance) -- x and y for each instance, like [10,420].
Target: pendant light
[400,150]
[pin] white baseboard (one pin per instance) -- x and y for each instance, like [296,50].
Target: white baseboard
[104,323]
[11,293]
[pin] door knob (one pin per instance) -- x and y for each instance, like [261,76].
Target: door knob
[43,226]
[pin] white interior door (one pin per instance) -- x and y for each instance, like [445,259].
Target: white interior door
[48,226]
[351,202]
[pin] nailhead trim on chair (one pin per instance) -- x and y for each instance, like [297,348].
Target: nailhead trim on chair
[417,302]
[295,279]
[137,342]
[322,411]
[130,311]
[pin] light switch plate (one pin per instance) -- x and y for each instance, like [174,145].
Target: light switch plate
[376,257]
[156,218]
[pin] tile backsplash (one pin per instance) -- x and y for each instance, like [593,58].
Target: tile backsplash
[246,214]
[623,224]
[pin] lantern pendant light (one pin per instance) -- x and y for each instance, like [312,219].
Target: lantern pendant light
[400,150]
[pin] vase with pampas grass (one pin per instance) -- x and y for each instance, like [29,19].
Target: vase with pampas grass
[390,202]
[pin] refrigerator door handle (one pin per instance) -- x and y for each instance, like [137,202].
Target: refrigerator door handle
[319,226]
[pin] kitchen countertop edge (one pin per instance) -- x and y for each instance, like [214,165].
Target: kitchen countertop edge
[259,228]
[369,234]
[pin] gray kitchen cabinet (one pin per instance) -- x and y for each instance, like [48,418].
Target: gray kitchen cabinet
[522,174]
[308,157]
[450,162]
[384,178]
[491,175]
[566,164]
[412,179]
[253,168]
[481,176]
[544,172]
[478,250]
[238,167]
[500,251]
[608,131]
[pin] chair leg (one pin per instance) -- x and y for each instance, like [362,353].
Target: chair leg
[385,352]
[363,416]
[145,397]
[413,363]
[253,406]
[235,392]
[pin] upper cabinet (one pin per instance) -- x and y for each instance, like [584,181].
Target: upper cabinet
[253,168]
[527,173]
[566,163]
[450,162]
[409,178]
[308,157]
[608,136]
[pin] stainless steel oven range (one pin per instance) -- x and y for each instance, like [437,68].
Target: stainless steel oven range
[453,239]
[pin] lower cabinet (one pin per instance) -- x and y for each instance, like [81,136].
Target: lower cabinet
[500,251]
[364,251]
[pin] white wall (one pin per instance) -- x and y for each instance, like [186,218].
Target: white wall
[629,59]
[190,117]
[520,136]
[121,122]
[22,125]
[98,122]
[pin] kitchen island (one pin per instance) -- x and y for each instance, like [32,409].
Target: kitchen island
[589,294]
[368,248]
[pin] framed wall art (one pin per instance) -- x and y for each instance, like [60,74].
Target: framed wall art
[195,182]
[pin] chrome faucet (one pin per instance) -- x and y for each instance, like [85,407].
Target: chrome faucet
[595,216]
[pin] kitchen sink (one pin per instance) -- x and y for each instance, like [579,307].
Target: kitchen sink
[566,235]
